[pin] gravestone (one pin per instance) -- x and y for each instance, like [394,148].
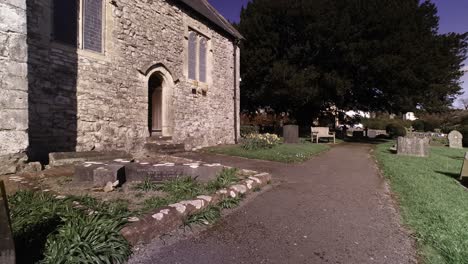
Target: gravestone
[291,134]
[413,146]
[7,245]
[455,139]
[464,171]
[358,134]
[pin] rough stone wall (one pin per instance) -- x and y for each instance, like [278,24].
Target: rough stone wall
[13,82]
[86,101]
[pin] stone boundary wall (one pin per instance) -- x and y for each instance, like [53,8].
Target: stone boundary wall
[83,101]
[13,85]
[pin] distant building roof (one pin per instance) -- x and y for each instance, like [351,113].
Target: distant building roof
[209,12]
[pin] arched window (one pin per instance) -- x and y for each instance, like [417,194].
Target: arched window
[192,56]
[202,60]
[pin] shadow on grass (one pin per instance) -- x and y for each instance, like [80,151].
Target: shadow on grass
[449,174]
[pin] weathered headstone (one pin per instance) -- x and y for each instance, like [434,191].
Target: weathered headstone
[7,245]
[358,134]
[291,134]
[464,171]
[455,139]
[413,146]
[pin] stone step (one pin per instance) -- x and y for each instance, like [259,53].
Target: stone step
[70,158]
[157,139]
[165,148]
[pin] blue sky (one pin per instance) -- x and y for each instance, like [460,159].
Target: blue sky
[453,18]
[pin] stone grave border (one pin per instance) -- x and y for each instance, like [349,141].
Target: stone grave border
[163,220]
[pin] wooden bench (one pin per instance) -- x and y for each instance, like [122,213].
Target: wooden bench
[322,132]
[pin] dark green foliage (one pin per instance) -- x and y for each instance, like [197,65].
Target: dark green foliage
[464,130]
[182,188]
[87,239]
[224,179]
[418,125]
[38,217]
[247,130]
[382,123]
[301,57]
[34,216]
[396,130]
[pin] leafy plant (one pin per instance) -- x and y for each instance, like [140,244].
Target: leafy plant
[34,216]
[146,186]
[206,217]
[155,202]
[224,179]
[396,130]
[182,188]
[229,203]
[260,141]
[87,239]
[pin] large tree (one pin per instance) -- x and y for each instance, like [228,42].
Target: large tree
[302,56]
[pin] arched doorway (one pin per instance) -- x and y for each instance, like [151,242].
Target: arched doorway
[155,117]
[160,101]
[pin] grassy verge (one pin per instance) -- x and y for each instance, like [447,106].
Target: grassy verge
[432,202]
[288,153]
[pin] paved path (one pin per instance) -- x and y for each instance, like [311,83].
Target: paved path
[334,208]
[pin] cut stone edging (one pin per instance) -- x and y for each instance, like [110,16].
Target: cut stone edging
[168,218]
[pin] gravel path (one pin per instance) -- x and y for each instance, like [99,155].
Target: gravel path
[334,208]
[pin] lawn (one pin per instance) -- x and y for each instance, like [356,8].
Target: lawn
[288,153]
[433,204]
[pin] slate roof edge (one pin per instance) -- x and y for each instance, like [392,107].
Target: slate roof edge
[201,6]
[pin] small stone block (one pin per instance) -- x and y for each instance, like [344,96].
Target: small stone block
[464,171]
[291,134]
[109,173]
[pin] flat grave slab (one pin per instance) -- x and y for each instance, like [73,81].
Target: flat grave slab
[100,173]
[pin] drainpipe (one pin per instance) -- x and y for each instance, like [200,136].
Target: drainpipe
[235,44]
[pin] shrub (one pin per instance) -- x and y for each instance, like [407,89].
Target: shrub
[260,141]
[247,130]
[418,125]
[464,131]
[87,239]
[224,178]
[396,130]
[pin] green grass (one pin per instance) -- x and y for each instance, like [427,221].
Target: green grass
[433,204]
[288,153]
[51,230]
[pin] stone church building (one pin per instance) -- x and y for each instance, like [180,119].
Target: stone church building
[83,75]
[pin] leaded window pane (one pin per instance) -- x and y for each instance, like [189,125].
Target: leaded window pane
[202,61]
[92,26]
[192,56]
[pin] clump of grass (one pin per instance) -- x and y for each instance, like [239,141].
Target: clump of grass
[206,217]
[182,188]
[224,179]
[57,231]
[115,209]
[229,203]
[87,239]
[155,203]
[146,186]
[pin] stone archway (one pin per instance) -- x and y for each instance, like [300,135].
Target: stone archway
[160,102]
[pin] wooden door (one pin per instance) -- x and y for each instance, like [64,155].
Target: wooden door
[157,109]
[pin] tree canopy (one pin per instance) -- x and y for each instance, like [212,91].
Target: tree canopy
[302,56]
